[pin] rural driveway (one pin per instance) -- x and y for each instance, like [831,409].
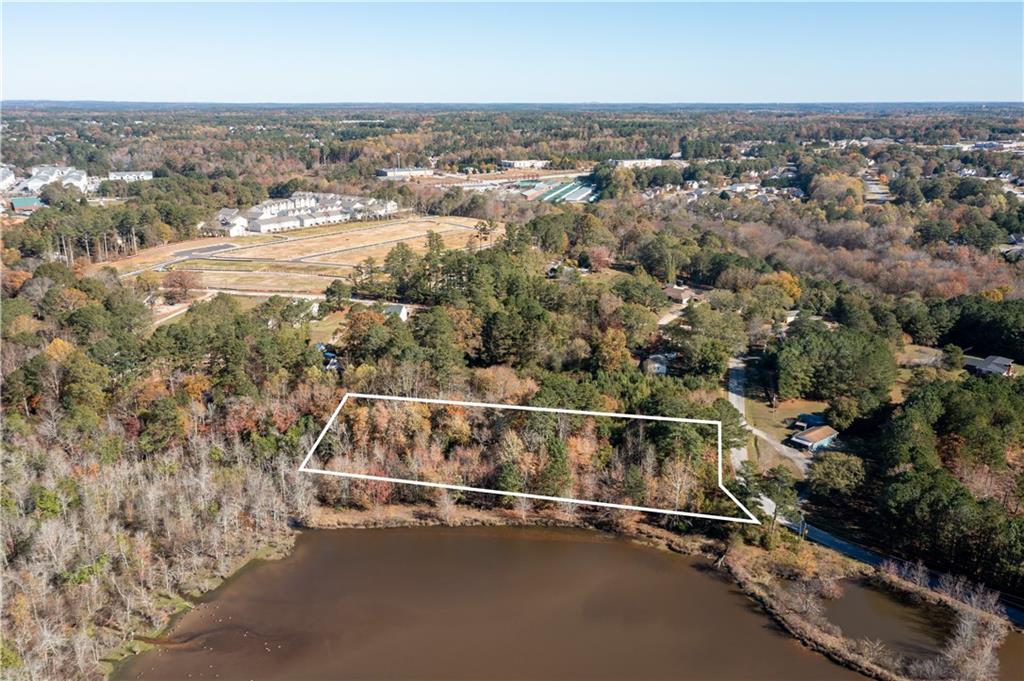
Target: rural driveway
[736,387]
[798,458]
[673,314]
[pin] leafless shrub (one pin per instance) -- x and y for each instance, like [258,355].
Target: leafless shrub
[523,506]
[830,588]
[873,649]
[447,510]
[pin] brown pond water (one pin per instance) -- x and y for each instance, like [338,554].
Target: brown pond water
[916,630]
[478,603]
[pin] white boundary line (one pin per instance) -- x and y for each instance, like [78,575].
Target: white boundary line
[750,519]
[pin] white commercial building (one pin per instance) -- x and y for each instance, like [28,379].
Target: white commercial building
[527,163]
[131,175]
[638,162]
[403,173]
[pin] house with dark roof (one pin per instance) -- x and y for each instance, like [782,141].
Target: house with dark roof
[805,421]
[993,365]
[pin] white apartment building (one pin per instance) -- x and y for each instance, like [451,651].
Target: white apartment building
[7,178]
[301,209]
[304,209]
[278,223]
[329,217]
[76,178]
[42,176]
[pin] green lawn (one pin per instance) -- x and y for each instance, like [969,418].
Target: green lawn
[323,330]
[765,456]
[774,421]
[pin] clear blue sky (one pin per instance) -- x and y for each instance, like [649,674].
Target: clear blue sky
[768,52]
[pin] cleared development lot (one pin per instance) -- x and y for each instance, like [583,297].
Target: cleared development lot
[269,282]
[350,257]
[352,240]
[302,261]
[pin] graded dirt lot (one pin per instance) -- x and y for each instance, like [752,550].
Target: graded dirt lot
[209,264]
[151,257]
[350,257]
[270,282]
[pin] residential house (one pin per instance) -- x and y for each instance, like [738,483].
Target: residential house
[993,365]
[682,295]
[659,365]
[816,438]
[230,222]
[397,310]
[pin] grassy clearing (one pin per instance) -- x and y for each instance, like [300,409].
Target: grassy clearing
[323,330]
[246,303]
[774,421]
[605,276]
[917,355]
[901,387]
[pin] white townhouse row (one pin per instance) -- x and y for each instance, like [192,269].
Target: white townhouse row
[302,209]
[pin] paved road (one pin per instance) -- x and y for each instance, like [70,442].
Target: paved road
[1014,607]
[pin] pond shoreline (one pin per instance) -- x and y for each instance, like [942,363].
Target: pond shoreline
[836,649]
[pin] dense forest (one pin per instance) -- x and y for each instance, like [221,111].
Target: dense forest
[353,141]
